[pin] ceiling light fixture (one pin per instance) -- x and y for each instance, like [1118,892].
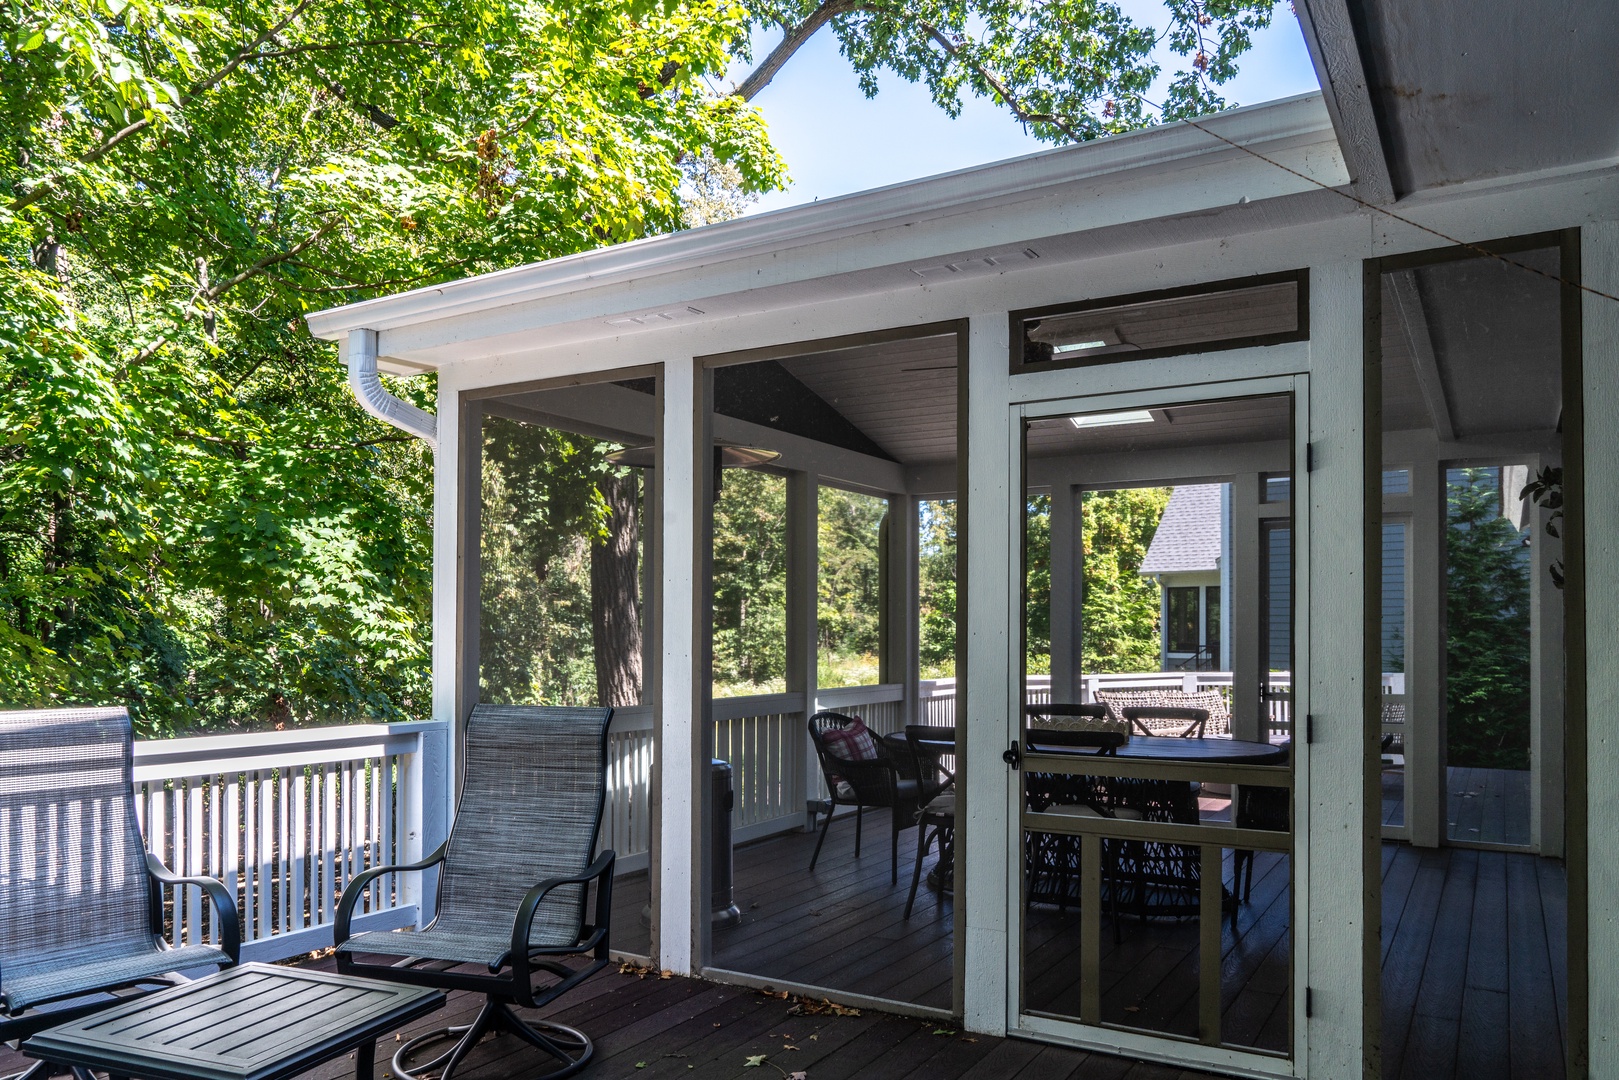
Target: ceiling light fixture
[1111,419]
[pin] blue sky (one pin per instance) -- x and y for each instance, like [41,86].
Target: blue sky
[836,141]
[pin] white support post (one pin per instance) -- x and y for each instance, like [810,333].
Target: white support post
[1598,497]
[457,505]
[987,619]
[1425,817]
[901,600]
[803,627]
[1340,823]
[1067,593]
[1250,654]
[1545,686]
[678,849]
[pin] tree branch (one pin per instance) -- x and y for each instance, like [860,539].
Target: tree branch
[215,292]
[997,84]
[294,50]
[760,77]
[91,156]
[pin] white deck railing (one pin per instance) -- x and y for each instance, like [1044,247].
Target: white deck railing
[285,819]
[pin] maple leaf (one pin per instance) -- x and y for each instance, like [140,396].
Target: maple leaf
[754,1062]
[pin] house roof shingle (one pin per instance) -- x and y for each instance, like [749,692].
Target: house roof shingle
[1188,536]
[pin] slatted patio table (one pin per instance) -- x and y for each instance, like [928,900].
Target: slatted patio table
[253,1022]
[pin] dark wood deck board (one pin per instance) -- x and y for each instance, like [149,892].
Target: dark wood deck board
[1475,953]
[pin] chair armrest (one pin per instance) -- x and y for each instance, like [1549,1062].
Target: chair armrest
[230,925]
[357,884]
[531,902]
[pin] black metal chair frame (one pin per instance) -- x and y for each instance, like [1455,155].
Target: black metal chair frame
[928,746]
[878,781]
[29,1020]
[521,964]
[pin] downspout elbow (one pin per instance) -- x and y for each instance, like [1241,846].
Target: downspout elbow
[366,383]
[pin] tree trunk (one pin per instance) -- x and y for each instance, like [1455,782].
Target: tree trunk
[614,619]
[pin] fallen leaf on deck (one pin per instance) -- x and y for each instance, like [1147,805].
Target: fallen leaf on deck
[798,1076]
[640,1064]
[944,1031]
[1132,1008]
[754,1062]
[788,1046]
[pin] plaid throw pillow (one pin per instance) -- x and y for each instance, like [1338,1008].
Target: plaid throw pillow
[853,742]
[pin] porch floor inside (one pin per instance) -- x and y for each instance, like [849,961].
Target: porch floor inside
[649,1027]
[1482,806]
[1474,964]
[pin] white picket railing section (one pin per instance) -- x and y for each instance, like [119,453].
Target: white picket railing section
[286,819]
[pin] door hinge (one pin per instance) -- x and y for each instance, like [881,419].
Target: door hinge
[1013,755]
[1309,457]
[1309,728]
[1309,1004]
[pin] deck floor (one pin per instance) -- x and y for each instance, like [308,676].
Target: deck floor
[1474,982]
[1482,806]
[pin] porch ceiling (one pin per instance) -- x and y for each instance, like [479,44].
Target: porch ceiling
[1466,90]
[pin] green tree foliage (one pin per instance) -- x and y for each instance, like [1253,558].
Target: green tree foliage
[849,586]
[1068,69]
[1487,668]
[750,584]
[937,589]
[1120,629]
[195,518]
[541,511]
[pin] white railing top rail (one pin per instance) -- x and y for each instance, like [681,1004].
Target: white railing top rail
[203,755]
[736,708]
[876,694]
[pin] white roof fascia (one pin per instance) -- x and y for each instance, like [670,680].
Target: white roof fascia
[1173,148]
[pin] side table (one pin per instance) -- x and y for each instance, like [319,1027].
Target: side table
[252,1022]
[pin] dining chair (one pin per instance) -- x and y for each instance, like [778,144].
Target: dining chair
[861,772]
[1165,719]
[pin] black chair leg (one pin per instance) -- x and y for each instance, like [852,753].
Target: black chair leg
[922,843]
[893,852]
[859,817]
[822,838]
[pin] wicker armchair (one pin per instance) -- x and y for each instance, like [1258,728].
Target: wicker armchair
[513,880]
[81,900]
[875,780]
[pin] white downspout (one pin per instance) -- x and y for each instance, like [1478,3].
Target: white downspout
[367,386]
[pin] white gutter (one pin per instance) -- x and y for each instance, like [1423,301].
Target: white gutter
[367,386]
[1300,121]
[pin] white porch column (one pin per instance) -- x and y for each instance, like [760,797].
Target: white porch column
[1250,653]
[803,627]
[677,856]
[1425,817]
[1339,798]
[901,602]
[1067,593]
[1596,499]
[986,616]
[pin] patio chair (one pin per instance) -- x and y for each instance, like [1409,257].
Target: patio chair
[1087,725]
[513,881]
[1257,808]
[929,747]
[860,772]
[1187,723]
[81,900]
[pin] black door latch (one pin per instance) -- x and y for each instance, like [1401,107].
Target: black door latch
[1013,755]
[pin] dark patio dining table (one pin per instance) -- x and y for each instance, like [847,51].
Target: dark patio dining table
[1152,878]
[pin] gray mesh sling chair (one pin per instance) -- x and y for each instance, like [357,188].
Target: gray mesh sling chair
[81,900]
[513,880]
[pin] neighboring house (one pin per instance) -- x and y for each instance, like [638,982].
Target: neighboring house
[1185,558]
[1413,270]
